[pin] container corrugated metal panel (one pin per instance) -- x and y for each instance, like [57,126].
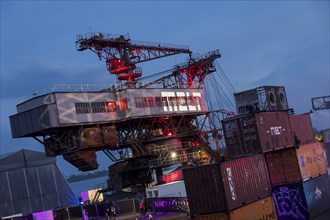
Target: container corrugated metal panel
[217,188]
[205,190]
[245,180]
[317,193]
[302,128]
[274,130]
[261,209]
[290,202]
[326,135]
[256,133]
[311,159]
[327,153]
[213,216]
[241,136]
[283,167]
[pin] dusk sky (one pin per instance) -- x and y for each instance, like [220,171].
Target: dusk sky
[282,43]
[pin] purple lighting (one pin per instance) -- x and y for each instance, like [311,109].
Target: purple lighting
[45,215]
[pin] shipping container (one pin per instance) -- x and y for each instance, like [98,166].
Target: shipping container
[311,159]
[283,167]
[205,189]
[317,193]
[263,98]
[295,165]
[257,133]
[302,128]
[221,187]
[245,180]
[304,200]
[290,202]
[261,209]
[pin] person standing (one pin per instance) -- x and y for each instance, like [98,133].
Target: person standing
[85,214]
[108,214]
[113,211]
[141,208]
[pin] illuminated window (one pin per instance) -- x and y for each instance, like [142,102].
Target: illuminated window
[164,101]
[145,102]
[111,106]
[95,107]
[151,101]
[123,104]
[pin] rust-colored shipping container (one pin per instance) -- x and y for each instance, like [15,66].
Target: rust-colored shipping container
[294,165]
[245,180]
[283,167]
[302,128]
[261,209]
[221,187]
[257,133]
[312,160]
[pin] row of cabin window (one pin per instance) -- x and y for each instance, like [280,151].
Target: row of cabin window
[99,107]
[140,102]
[151,101]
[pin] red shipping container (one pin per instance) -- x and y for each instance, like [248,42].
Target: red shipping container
[295,165]
[283,167]
[226,186]
[257,133]
[302,128]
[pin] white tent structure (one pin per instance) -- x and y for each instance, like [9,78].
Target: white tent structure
[31,182]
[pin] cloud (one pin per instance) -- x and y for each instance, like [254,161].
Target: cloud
[39,74]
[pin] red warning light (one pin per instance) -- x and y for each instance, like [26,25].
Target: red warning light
[169,132]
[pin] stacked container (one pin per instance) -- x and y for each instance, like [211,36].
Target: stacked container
[257,133]
[228,187]
[301,188]
[296,165]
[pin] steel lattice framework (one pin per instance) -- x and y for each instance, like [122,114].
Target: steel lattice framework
[77,124]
